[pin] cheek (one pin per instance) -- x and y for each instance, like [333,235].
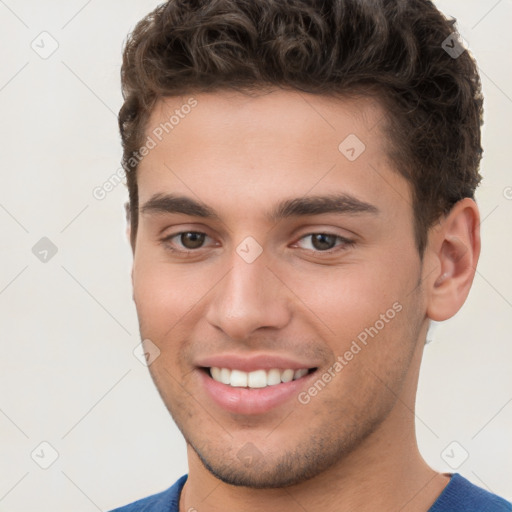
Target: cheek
[164,301]
[170,298]
[365,300]
[348,297]
[161,295]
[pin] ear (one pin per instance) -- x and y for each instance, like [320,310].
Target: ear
[128,218]
[129,233]
[453,248]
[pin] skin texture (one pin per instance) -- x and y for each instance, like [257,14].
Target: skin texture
[353,445]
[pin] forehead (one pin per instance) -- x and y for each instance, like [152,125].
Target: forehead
[270,111]
[267,145]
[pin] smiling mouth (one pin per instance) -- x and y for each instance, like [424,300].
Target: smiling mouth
[256,379]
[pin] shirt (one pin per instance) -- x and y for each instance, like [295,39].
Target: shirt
[460,495]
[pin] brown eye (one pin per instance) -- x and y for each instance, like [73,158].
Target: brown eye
[187,243]
[323,241]
[192,239]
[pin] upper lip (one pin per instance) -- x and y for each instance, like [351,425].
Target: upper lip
[250,363]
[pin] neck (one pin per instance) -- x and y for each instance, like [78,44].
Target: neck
[385,472]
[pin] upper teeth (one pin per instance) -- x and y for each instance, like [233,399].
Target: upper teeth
[257,378]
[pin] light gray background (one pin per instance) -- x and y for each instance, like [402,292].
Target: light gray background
[68,375]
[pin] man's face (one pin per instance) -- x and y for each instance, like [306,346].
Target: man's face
[259,288]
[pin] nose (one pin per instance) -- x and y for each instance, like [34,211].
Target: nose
[248,298]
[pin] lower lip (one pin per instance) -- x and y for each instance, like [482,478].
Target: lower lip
[251,400]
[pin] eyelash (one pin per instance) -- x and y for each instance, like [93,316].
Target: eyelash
[345,243]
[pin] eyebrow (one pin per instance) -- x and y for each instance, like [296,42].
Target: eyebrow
[300,206]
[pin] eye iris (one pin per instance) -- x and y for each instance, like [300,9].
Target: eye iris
[192,240]
[322,241]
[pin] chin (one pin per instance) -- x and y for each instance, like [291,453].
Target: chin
[251,468]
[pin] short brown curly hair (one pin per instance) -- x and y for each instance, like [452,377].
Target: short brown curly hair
[395,49]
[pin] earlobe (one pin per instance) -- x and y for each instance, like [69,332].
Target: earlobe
[454,245]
